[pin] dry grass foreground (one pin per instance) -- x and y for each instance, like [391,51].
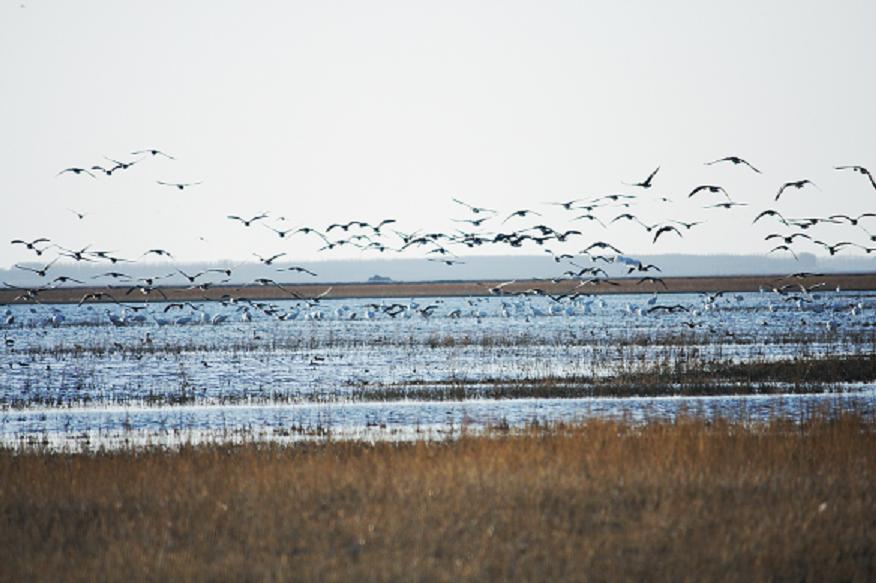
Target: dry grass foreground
[600,501]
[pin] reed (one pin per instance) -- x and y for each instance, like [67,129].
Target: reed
[688,500]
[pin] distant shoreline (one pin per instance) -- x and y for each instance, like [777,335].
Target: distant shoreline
[63,295]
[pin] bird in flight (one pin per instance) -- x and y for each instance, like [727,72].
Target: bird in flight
[153,152]
[30,244]
[40,271]
[788,239]
[250,221]
[852,220]
[566,205]
[647,182]
[474,209]
[832,249]
[589,217]
[79,215]
[158,252]
[601,245]
[77,171]
[474,222]
[726,205]
[180,185]
[268,260]
[297,269]
[770,213]
[687,226]
[736,160]
[189,277]
[859,170]
[521,213]
[446,261]
[280,233]
[798,184]
[666,229]
[784,248]
[713,188]
[120,165]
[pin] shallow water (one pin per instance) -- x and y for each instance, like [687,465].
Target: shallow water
[96,375]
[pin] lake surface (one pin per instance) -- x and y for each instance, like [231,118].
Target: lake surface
[103,375]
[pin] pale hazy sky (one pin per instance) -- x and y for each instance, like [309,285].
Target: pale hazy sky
[328,111]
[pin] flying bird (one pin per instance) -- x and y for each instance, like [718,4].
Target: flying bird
[726,205]
[687,226]
[158,252]
[589,217]
[713,188]
[859,170]
[446,261]
[180,185]
[268,260]
[41,271]
[832,249]
[788,239]
[647,182]
[652,279]
[798,184]
[298,270]
[770,213]
[852,220]
[666,229]
[474,222]
[250,221]
[474,209]
[153,152]
[601,245]
[736,160]
[521,213]
[784,248]
[77,171]
[566,205]
[30,244]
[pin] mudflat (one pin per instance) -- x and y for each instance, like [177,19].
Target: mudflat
[283,291]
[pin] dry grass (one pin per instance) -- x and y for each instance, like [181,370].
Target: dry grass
[603,500]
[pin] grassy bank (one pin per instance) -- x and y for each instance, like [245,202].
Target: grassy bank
[602,500]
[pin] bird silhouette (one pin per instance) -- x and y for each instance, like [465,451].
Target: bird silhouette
[770,213]
[180,185]
[714,189]
[298,270]
[859,170]
[39,271]
[153,152]
[475,209]
[268,260]
[736,160]
[647,182]
[666,229]
[784,248]
[77,171]
[798,184]
[250,221]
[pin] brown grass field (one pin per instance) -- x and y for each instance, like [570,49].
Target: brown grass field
[602,500]
[858,281]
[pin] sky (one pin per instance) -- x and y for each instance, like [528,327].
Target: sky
[318,112]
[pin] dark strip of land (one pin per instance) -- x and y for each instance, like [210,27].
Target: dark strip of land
[856,281]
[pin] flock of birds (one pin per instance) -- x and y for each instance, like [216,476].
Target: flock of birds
[479,226]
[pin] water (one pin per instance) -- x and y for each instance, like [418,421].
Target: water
[100,375]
